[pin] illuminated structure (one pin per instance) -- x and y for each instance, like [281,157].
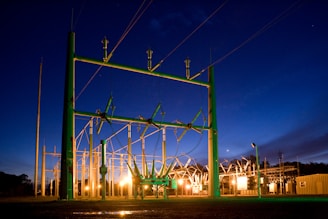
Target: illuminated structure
[150,179]
[239,178]
[236,177]
[68,156]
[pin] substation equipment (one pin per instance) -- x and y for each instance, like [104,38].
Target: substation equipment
[68,172]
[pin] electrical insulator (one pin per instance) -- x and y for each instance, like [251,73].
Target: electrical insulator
[149,55]
[187,62]
[105,43]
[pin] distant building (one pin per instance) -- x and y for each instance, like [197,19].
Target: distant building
[315,184]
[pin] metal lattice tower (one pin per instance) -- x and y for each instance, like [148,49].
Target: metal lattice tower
[67,181]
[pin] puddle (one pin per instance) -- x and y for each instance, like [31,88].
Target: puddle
[116,213]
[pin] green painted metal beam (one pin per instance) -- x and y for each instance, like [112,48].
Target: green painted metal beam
[139,70]
[140,121]
[103,169]
[213,139]
[68,135]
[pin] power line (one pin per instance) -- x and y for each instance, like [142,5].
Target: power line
[187,37]
[133,21]
[274,21]
[78,16]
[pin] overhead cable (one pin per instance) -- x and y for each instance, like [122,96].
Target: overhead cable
[274,21]
[187,37]
[133,21]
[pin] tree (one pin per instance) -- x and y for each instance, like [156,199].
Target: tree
[12,185]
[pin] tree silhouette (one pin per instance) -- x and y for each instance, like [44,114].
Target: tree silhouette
[12,185]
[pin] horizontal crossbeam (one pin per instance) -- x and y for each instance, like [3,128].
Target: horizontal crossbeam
[139,70]
[138,121]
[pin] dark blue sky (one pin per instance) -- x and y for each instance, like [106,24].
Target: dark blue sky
[270,63]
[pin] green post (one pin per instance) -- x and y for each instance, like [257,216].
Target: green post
[68,136]
[103,169]
[214,184]
[258,170]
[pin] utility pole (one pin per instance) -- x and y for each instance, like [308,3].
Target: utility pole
[37,134]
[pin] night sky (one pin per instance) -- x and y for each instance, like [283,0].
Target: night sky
[269,58]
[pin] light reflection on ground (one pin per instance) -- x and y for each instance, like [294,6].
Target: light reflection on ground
[120,213]
[272,207]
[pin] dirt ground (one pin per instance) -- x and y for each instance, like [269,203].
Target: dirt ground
[173,208]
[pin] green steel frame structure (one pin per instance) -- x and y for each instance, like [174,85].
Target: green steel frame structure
[66,190]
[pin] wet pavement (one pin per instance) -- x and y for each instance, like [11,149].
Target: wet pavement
[195,207]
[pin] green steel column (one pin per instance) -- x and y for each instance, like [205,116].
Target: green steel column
[258,173]
[214,183]
[103,169]
[258,170]
[68,136]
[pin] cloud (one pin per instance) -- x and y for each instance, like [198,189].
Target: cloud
[301,144]
[169,23]
[315,150]
[175,21]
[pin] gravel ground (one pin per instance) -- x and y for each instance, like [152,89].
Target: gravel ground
[173,208]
